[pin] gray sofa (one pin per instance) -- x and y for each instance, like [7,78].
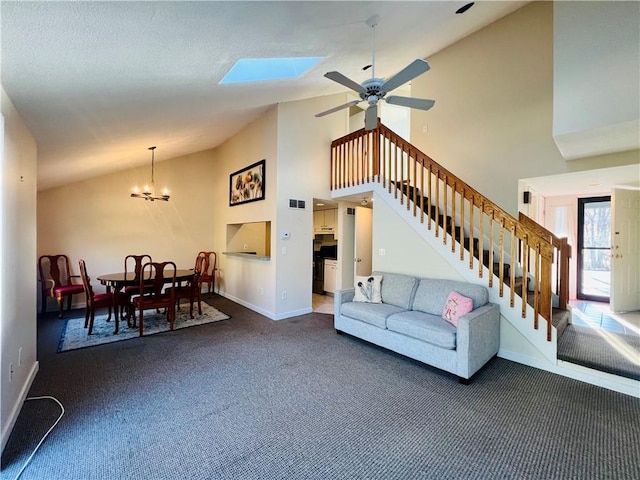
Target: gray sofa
[409,321]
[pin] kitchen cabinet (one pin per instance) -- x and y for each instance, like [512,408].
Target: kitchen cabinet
[325,221]
[330,269]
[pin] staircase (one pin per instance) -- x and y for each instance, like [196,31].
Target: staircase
[525,267]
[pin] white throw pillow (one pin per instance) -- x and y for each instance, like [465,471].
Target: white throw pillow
[368,289]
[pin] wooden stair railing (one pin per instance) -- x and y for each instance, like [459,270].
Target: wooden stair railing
[453,209]
[562,254]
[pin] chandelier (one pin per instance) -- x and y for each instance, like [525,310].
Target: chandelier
[149,193]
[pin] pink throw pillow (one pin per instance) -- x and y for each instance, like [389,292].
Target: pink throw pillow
[456,306]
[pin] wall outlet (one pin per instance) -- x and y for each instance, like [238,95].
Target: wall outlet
[284,250]
[284,295]
[382,252]
[261,291]
[10,371]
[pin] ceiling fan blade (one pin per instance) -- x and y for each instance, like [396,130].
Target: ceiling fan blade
[411,71]
[340,107]
[419,103]
[345,81]
[371,117]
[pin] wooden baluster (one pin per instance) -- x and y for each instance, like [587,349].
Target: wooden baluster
[421,198]
[512,269]
[402,176]
[429,196]
[445,210]
[461,236]
[481,239]
[415,186]
[436,219]
[526,250]
[491,249]
[453,217]
[545,291]
[395,184]
[471,230]
[501,259]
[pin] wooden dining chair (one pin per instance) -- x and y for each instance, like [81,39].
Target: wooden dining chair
[208,269]
[55,278]
[97,300]
[191,290]
[160,274]
[133,264]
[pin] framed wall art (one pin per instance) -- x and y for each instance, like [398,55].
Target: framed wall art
[247,184]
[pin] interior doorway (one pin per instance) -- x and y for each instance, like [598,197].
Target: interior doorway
[594,249]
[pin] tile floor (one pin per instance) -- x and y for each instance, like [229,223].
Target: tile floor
[598,315]
[322,303]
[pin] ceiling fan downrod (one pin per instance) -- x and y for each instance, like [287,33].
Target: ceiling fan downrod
[372,22]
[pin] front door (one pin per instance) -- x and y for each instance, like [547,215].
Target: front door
[594,249]
[625,256]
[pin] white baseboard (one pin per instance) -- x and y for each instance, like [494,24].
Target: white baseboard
[261,311]
[15,411]
[616,383]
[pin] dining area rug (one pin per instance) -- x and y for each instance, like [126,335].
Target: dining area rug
[75,336]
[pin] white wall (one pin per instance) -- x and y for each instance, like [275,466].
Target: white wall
[18,265]
[596,77]
[404,250]
[492,121]
[304,148]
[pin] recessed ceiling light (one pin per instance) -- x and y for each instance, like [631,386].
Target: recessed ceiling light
[320,204]
[593,185]
[464,8]
[257,69]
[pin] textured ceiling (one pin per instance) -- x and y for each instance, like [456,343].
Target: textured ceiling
[98,82]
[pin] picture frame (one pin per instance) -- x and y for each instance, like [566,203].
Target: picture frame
[247,184]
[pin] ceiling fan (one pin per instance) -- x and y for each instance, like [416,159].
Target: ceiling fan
[374,89]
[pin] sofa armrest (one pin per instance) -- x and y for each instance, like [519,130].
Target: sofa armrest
[340,297]
[478,338]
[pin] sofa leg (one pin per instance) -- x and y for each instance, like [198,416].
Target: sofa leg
[464,381]
[339,332]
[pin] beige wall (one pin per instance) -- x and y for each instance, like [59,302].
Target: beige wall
[17,264]
[96,220]
[493,118]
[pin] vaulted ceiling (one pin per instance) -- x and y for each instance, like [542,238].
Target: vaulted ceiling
[98,82]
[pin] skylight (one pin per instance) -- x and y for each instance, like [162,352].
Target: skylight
[256,69]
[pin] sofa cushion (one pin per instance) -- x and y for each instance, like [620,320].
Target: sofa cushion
[456,306]
[372,313]
[431,294]
[424,326]
[398,289]
[367,289]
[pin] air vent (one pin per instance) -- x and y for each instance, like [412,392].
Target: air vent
[293,203]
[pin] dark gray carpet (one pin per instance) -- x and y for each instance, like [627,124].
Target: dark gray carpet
[250,398]
[601,350]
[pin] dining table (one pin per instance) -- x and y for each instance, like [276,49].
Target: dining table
[115,282]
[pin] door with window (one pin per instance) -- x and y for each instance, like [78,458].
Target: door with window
[594,249]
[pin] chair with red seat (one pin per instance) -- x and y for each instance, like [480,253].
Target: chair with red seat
[208,271]
[55,277]
[153,277]
[96,300]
